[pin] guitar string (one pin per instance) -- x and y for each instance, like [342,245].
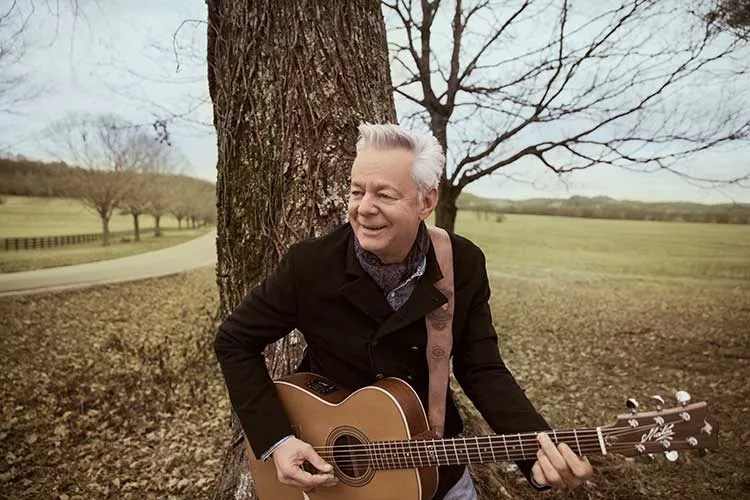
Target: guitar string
[426,451]
[402,450]
[410,462]
[524,438]
[401,462]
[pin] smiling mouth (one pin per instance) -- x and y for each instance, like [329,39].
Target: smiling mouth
[373,228]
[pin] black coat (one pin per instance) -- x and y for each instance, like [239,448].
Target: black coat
[354,337]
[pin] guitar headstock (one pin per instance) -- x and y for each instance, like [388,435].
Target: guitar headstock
[684,427]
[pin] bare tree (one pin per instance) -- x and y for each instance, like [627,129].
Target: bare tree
[16,87]
[289,82]
[148,193]
[604,83]
[732,16]
[109,150]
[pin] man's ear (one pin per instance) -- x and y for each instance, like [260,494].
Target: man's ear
[429,202]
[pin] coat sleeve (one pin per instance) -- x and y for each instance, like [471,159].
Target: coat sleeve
[483,375]
[265,315]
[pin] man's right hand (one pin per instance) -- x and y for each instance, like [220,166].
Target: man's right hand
[289,458]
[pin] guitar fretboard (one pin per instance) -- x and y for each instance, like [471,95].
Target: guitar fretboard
[462,451]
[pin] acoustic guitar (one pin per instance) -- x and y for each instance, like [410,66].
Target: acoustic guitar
[370,437]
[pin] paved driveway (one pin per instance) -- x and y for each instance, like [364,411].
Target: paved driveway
[192,254]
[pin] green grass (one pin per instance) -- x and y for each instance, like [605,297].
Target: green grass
[528,244]
[22,216]
[27,260]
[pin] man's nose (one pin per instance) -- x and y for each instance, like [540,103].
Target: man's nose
[367,205]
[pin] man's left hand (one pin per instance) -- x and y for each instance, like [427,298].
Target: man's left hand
[558,467]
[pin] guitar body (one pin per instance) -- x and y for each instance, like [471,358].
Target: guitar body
[323,414]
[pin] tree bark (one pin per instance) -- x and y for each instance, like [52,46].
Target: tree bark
[289,82]
[157,228]
[136,228]
[446,210]
[105,230]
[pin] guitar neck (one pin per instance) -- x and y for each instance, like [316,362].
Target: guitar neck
[470,450]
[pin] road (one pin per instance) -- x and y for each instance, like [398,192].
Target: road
[200,252]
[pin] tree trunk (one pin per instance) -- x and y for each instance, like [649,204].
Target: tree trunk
[290,82]
[157,228]
[105,229]
[136,228]
[445,211]
[179,222]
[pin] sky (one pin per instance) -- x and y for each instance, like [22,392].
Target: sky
[145,59]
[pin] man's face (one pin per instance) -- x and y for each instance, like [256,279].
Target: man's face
[384,208]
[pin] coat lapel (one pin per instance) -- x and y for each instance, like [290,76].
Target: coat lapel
[362,291]
[425,299]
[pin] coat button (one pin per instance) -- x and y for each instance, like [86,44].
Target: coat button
[379,376]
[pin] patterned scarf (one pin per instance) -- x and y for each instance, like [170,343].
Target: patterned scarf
[397,281]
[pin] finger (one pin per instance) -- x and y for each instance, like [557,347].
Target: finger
[316,461]
[551,476]
[579,466]
[555,458]
[303,480]
[538,475]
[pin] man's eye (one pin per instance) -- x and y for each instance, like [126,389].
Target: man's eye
[386,196]
[356,193]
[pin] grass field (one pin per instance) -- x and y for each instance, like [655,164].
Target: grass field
[28,260]
[588,313]
[22,216]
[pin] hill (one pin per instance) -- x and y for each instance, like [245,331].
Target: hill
[604,207]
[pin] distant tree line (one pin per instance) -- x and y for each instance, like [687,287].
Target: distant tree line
[608,208]
[189,200]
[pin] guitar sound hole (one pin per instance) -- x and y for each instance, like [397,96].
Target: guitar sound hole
[350,456]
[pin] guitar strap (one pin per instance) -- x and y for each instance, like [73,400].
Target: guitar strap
[440,333]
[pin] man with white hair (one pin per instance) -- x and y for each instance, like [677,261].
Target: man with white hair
[360,296]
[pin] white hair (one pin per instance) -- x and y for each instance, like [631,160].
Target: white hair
[429,158]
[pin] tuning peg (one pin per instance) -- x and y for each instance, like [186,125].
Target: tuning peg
[658,401]
[632,405]
[682,397]
[671,455]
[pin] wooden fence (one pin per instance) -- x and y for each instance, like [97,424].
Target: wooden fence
[39,242]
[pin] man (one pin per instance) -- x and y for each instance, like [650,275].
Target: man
[360,296]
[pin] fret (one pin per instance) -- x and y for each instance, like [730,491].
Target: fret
[577,443]
[481,457]
[371,456]
[411,454]
[419,454]
[521,443]
[466,448]
[492,448]
[445,452]
[554,435]
[505,444]
[458,460]
[393,455]
[401,456]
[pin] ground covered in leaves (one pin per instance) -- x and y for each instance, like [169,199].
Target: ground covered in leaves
[582,344]
[111,392]
[114,392]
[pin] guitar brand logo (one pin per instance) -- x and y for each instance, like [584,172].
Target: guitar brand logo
[659,433]
[707,428]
